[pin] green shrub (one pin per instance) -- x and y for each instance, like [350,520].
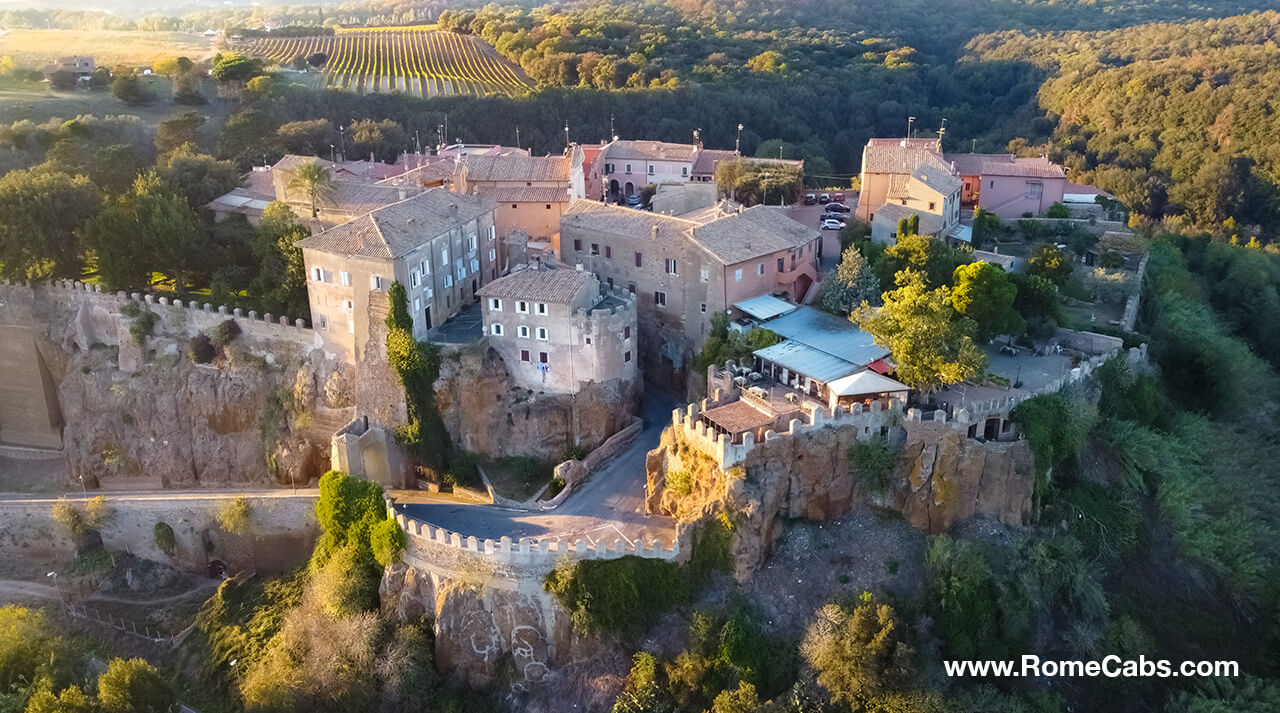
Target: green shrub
[97,512]
[66,515]
[1057,210]
[387,540]
[201,349]
[134,686]
[575,452]
[873,461]
[623,596]
[143,322]
[1111,260]
[680,481]
[222,334]
[165,538]
[233,516]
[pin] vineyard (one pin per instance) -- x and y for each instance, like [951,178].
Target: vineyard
[422,61]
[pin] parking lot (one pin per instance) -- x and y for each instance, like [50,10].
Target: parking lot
[811,215]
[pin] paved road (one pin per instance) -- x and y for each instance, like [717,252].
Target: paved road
[161,495]
[608,506]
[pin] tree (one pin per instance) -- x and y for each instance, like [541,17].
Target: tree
[197,177]
[41,214]
[767,62]
[234,517]
[1049,262]
[100,79]
[315,183]
[131,89]
[930,344]
[383,139]
[134,686]
[63,80]
[178,130]
[71,700]
[281,284]
[234,68]
[172,66]
[984,293]
[311,137]
[147,230]
[850,284]
[921,253]
[249,138]
[857,654]
[742,699]
[317,59]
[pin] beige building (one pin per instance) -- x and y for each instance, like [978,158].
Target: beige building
[441,246]
[932,194]
[683,269]
[556,329]
[532,192]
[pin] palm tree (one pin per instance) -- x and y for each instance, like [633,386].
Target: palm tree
[313,178]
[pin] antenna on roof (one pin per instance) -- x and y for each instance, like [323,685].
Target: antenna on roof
[911,120]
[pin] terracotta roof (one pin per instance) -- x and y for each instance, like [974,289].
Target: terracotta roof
[705,162]
[737,417]
[899,185]
[890,213]
[626,222]
[1003,164]
[399,228]
[523,194]
[558,284]
[343,170]
[516,167]
[360,198]
[938,179]
[900,155]
[758,230]
[424,170]
[650,151]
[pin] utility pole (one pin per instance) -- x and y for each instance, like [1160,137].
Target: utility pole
[417,141]
[613,134]
[333,155]
[517,136]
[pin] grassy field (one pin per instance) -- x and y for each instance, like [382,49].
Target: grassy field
[36,47]
[36,102]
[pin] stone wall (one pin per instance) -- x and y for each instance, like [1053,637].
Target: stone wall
[284,530]
[141,408]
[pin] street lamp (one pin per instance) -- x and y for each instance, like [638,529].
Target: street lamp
[910,120]
[57,587]
[737,143]
[342,141]
[333,155]
[83,490]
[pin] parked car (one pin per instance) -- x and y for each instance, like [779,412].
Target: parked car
[833,216]
[824,199]
[832,224]
[633,200]
[837,207]
[810,199]
[837,197]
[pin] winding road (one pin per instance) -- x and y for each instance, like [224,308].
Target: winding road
[608,506]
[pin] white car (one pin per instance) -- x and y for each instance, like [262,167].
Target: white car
[832,224]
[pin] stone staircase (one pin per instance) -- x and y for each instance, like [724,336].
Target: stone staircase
[325,422]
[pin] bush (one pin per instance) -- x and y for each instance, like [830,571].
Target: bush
[165,538]
[347,584]
[387,540]
[873,462]
[97,512]
[134,686]
[69,518]
[623,596]
[233,516]
[680,481]
[1057,210]
[144,320]
[222,334]
[858,653]
[202,350]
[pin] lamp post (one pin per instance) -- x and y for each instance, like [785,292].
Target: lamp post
[910,121]
[83,491]
[737,143]
[333,155]
[342,141]
[58,587]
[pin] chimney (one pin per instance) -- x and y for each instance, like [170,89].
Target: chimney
[655,232]
[400,191]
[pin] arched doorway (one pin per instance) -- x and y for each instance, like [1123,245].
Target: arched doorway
[630,189]
[613,189]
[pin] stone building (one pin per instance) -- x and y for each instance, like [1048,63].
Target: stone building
[532,192]
[441,246]
[556,329]
[682,269]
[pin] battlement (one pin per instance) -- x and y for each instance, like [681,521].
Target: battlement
[73,293]
[527,551]
[721,448]
[597,311]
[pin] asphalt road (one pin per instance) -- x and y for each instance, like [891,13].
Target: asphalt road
[609,506]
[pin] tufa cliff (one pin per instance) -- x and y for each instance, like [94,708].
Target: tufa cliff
[941,478]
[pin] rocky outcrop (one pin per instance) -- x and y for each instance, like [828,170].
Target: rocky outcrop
[943,478]
[486,413]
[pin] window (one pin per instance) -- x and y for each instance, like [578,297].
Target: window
[626,332]
[705,274]
[904,201]
[737,275]
[522,307]
[611,283]
[322,321]
[493,233]
[631,287]
[660,298]
[542,308]
[542,334]
[471,243]
[639,260]
[344,278]
[317,274]
[650,169]
[671,266]
[417,304]
[931,205]
[448,280]
[628,168]
[781,263]
[704,307]
[548,206]
[595,248]
[426,266]
[524,355]
[760,269]
[577,245]
[588,341]
[523,331]
[684,170]
[608,252]
[414,278]
[626,358]
[495,305]
[542,357]
[1035,190]
[444,258]
[348,305]
[375,282]
[513,206]
[493,254]
[475,265]
[496,329]
[993,184]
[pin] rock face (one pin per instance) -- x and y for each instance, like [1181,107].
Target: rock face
[487,414]
[942,477]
